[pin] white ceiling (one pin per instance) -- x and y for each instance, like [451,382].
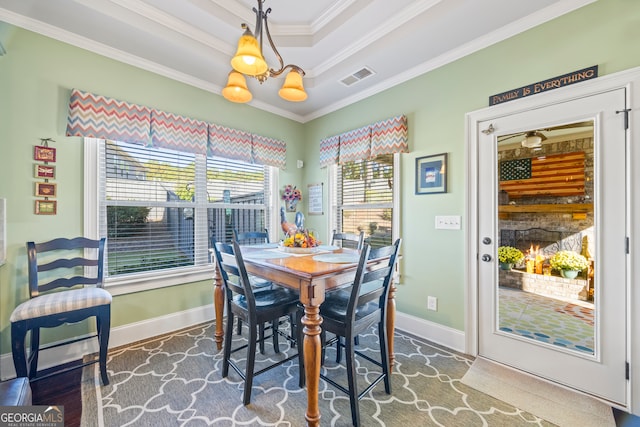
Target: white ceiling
[192,41]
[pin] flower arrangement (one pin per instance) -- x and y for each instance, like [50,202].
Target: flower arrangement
[301,239]
[291,193]
[291,196]
[509,255]
[568,260]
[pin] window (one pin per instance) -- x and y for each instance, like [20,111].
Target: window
[160,207]
[363,198]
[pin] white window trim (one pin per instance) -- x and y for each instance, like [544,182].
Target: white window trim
[139,282]
[273,200]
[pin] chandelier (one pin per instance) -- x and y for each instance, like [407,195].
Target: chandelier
[249,61]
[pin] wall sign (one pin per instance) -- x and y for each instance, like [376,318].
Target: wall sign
[315,199]
[545,85]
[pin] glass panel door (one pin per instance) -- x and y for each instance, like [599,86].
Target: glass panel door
[552,199]
[546,235]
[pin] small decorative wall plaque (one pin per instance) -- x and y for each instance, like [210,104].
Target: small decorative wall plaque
[45,189]
[43,153]
[46,207]
[44,171]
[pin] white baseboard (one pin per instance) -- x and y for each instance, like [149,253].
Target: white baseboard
[119,336]
[132,332]
[434,332]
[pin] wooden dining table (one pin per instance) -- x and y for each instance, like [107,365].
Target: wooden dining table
[312,279]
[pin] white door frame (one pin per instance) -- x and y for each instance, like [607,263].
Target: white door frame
[630,80]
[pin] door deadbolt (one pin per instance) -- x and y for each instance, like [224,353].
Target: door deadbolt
[486,240]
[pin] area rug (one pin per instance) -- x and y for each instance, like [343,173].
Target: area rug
[553,403]
[175,380]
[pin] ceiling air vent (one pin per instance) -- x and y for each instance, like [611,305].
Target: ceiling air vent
[361,74]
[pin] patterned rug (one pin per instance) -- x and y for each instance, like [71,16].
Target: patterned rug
[175,380]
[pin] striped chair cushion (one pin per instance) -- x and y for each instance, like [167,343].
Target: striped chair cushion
[60,302]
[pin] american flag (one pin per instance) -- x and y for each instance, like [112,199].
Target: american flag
[552,175]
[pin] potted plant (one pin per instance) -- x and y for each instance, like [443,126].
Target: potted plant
[508,256]
[569,263]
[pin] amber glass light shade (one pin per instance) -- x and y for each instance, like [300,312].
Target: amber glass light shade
[236,89]
[292,89]
[248,58]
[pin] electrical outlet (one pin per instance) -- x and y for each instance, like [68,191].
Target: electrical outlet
[450,222]
[432,303]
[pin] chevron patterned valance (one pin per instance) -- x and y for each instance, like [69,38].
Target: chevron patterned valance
[355,144]
[229,143]
[389,136]
[329,150]
[384,137]
[179,133]
[269,151]
[96,116]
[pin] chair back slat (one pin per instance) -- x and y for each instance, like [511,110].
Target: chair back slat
[383,275]
[68,244]
[68,263]
[234,273]
[348,240]
[67,282]
[40,258]
[226,263]
[251,237]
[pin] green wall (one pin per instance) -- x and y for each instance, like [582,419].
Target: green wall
[37,74]
[36,77]
[606,33]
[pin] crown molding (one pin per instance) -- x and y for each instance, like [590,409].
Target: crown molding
[146,12]
[375,34]
[478,44]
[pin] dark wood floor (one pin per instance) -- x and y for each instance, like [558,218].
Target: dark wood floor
[64,389]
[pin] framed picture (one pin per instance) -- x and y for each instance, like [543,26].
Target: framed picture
[431,174]
[46,207]
[44,154]
[46,189]
[44,171]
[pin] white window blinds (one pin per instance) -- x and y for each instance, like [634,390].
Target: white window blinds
[365,199]
[159,208]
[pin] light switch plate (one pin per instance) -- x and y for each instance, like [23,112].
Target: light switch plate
[449,222]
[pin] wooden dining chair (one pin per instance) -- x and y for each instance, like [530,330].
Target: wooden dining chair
[351,241]
[253,238]
[254,308]
[65,286]
[348,240]
[352,311]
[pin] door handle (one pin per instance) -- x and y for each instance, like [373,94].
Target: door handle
[486,257]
